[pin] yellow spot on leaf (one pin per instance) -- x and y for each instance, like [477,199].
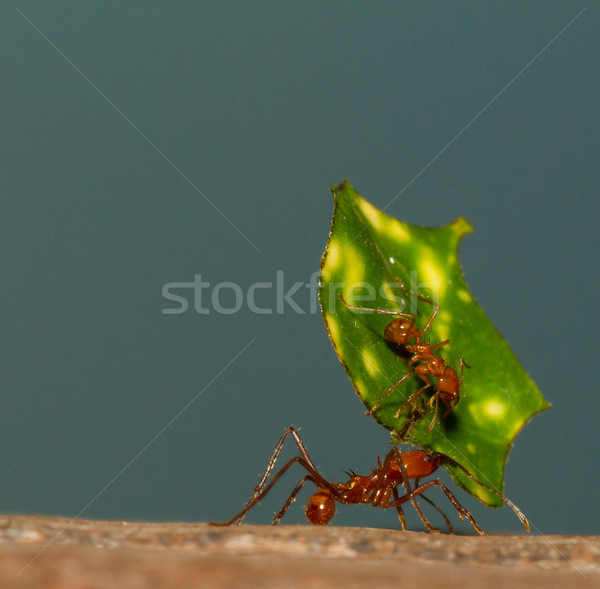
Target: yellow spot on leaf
[444,316]
[464,295]
[370,362]
[482,411]
[494,408]
[440,325]
[515,429]
[334,330]
[389,294]
[399,230]
[333,254]
[482,494]
[442,331]
[359,385]
[374,217]
[432,275]
[354,265]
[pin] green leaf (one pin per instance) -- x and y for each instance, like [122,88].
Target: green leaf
[366,253]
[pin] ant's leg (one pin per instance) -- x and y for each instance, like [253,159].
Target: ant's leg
[256,498]
[261,491]
[440,511]
[436,307]
[410,399]
[373,310]
[376,406]
[289,431]
[440,345]
[292,497]
[270,465]
[508,502]
[462,511]
[397,454]
[462,365]
[381,480]
[301,446]
[400,511]
[427,523]
[437,404]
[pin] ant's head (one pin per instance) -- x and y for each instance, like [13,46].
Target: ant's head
[420,463]
[320,508]
[448,386]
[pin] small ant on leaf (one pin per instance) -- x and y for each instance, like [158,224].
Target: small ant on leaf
[401,331]
[379,489]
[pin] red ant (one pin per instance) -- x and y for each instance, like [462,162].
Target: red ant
[379,489]
[401,331]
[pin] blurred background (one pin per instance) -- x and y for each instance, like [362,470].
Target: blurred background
[146,143]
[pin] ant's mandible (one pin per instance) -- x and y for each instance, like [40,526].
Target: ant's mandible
[401,331]
[379,489]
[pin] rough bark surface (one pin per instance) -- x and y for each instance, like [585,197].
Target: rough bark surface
[56,552]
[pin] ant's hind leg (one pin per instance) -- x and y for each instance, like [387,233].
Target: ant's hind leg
[313,476]
[270,465]
[301,447]
[260,491]
[292,497]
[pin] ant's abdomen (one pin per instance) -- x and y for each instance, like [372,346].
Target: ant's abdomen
[400,331]
[320,508]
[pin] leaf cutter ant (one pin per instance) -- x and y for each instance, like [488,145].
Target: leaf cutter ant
[379,489]
[422,362]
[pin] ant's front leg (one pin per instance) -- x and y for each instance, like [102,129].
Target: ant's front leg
[462,511]
[443,458]
[292,497]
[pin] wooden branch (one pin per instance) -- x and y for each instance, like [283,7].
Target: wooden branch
[58,552]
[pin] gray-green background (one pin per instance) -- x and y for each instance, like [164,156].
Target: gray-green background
[260,107]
